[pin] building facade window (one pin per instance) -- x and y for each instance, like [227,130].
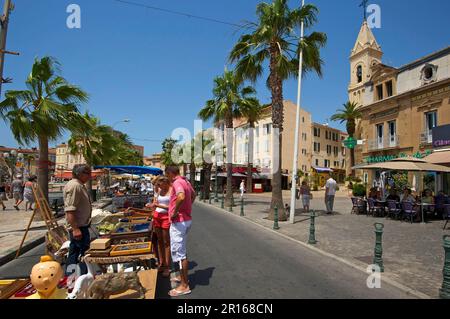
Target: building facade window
[380,135]
[389,89]
[392,133]
[317,162]
[326,163]
[328,149]
[317,132]
[380,92]
[359,74]
[431,122]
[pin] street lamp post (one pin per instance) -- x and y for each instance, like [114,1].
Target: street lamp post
[297,127]
[122,121]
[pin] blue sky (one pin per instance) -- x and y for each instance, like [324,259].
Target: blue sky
[157,69]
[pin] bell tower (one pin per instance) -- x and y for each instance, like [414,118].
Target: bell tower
[365,54]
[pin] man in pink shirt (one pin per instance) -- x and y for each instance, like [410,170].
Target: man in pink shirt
[180,209]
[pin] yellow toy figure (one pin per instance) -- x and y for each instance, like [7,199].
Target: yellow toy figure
[45,277]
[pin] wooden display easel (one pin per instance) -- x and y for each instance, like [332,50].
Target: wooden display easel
[44,209]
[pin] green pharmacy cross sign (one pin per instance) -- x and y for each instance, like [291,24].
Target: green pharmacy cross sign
[350,142]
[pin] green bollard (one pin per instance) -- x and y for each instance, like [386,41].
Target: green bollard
[312,229]
[222,203]
[242,207]
[210,199]
[275,221]
[231,207]
[444,292]
[378,260]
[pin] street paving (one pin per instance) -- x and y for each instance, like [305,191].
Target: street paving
[232,258]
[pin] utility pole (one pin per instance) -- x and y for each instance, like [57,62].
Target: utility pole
[297,127]
[4,30]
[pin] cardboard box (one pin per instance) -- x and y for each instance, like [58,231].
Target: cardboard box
[100,244]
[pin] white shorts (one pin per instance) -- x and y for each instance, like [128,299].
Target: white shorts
[178,238]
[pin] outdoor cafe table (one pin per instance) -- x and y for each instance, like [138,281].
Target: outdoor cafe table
[422,205]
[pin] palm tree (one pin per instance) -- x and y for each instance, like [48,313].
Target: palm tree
[229,97]
[350,114]
[252,111]
[94,142]
[43,111]
[274,40]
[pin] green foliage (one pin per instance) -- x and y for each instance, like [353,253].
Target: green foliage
[47,108]
[359,190]
[350,114]
[167,146]
[401,181]
[315,187]
[429,180]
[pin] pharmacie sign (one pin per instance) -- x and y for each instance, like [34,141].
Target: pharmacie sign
[387,158]
[441,136]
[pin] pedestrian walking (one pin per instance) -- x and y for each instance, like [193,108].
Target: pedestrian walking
[242,188]
[3,196]
[180,209]
[305,192]
[78,208]
[28,192]
[330,192]
[17,190]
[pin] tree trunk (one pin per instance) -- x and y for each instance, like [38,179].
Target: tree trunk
[43,166]
[250,158]
[207,175]
[229,195]
[192,173]
[276,86]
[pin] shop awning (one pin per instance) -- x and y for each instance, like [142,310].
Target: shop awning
[68,174]
[439,158]
[139,170]
[322,169]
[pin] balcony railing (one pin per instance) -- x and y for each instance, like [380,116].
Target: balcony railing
[387,142]
[426,137]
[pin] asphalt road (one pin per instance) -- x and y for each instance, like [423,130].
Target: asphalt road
[232,258]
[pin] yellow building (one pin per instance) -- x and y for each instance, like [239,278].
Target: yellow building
[400,106]
[328,153]
[315,152]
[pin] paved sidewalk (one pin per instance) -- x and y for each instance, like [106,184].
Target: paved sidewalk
[412,253]
[13,224]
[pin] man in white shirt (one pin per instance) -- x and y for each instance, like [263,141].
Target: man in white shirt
[242,188]
[330,192]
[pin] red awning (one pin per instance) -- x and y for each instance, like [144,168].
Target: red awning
[243,170]
[68,174]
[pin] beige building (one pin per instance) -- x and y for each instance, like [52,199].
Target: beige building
[154,161]
[401,106]
[324,150]
[328,151]
[65,160]
[263,148]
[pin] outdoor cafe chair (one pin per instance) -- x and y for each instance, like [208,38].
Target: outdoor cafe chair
[409,210]
[393,209]
[446,214]
[358,205]
[373,209]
